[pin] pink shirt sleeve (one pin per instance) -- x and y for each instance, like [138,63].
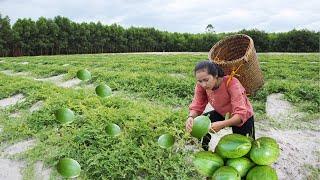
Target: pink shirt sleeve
[238,100]
[199,101]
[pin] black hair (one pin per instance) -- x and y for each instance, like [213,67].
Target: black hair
[211,68]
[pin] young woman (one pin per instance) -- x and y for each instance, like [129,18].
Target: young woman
[226,95]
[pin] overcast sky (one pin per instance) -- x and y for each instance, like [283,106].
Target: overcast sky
[176,15]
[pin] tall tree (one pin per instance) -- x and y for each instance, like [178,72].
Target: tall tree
[64,34]
[6,36]
[26,34]
[43,35]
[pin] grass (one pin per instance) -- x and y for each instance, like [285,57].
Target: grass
[149,88]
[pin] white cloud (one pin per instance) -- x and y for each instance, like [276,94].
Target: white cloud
[176,15]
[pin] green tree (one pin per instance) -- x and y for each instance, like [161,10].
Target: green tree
[26,36]
[6,36]
[260,39]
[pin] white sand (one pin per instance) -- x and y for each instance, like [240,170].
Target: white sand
[19,147]
[70,83]
[42,172]
[11,100]
[10,170]
[37,106]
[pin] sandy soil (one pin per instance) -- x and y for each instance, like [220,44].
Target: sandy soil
[11,100]
[59,81]
[11,169]
[52,79]
[37,106]
[42,172]
[19,147]
[70,83]
[11,73]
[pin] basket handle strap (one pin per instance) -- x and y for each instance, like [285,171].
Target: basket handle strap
[233,73]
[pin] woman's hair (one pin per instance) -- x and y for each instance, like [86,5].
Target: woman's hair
[211,68]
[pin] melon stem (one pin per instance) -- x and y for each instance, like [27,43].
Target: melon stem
[258,144]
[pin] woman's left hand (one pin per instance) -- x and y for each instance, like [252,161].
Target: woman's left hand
[217,126]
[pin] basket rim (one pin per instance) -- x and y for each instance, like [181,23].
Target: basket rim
[250,46]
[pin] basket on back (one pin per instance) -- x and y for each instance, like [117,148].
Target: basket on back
[237,53]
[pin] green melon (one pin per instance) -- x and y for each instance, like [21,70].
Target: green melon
[206,162]
[264,151]
[226,173]
[68,168]
[83,75]
[113,129]
[103,90]
[262,173]
[242,165]
[233,146]
[166,141]
[201,126]
[64,115]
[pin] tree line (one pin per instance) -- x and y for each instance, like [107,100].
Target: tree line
[62,36]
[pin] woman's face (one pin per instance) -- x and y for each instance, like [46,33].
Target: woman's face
[205,80]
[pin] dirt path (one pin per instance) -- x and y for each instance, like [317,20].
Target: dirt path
[12,169]
[11,100]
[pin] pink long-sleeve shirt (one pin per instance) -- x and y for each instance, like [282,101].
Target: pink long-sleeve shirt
[232,99]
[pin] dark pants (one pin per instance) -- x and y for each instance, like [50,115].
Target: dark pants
[246,128]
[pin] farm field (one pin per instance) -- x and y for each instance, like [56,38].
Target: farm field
[151,94]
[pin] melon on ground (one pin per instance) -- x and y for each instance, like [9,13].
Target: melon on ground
[113,129]
[207,162]
[64,115]
[83,75]
[103,90]
[226,173]
[166,141]
[262,173]
[233,146]
[68,168]
[264,151]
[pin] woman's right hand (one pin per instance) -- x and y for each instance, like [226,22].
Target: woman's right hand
[189,124]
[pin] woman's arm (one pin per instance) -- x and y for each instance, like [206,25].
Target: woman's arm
[233,121]
[218,125]
[197,106]
[199,102]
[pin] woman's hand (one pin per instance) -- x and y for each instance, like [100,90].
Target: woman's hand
[217,126]
[189,124]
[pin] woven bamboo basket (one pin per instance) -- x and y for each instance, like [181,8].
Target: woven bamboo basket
[238,52]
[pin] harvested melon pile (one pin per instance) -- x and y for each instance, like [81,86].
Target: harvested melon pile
[239,157]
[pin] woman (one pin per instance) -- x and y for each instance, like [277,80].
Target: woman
[226,95]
